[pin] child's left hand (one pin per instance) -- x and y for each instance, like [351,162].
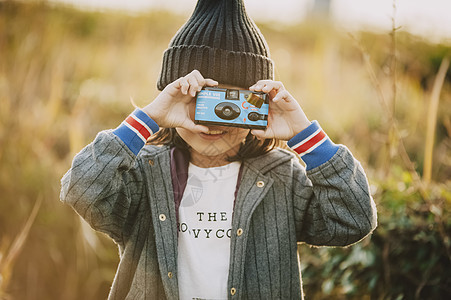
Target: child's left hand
[286,117]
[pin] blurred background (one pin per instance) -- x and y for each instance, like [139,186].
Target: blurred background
[374,73]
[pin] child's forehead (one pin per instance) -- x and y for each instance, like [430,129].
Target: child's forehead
[229,86]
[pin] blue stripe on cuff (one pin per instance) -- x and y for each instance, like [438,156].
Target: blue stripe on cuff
[318,156]
[129,137]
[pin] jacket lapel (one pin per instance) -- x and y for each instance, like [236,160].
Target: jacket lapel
[255,184]
[161,201]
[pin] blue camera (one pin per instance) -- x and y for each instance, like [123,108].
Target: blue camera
[231,107]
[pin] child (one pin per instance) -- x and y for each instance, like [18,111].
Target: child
[214,212]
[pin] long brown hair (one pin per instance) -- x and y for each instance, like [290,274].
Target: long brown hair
[252,147]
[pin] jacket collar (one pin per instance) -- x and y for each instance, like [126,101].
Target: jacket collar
[266,162]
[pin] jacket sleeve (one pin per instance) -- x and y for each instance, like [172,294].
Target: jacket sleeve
[104,179]
[332,201]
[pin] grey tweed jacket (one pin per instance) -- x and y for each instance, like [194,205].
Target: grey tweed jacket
[130,198]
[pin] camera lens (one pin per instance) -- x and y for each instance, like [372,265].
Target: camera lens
[227,111]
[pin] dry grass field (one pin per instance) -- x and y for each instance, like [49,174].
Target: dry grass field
[67,74]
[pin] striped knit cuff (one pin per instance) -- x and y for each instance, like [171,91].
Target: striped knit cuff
[136,129]
[313,145]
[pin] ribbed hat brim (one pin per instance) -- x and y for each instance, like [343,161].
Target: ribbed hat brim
[241,69]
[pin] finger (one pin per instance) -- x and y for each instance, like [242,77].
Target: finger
[200,128]
[272,85]
[194,85]
[183,85]
[195,73]
[189,125]
[203,81]
[257,87]
[252,87]
[198,76]
[211,82]
[268,82]
[282,95]
[260,134]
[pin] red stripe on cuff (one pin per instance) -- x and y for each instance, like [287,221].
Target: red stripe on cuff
[310,143]
[138,126]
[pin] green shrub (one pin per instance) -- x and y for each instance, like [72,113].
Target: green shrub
[408,256]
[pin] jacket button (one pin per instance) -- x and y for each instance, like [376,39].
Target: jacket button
[170,274]
[239,232]
[162,217]
[260,184]
[232,291]
[150,162]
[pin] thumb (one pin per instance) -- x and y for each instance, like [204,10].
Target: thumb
[189,125]
[260,134]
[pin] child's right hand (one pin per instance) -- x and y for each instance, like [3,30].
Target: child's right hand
[171,108]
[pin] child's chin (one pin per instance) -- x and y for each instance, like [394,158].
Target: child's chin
[212,151]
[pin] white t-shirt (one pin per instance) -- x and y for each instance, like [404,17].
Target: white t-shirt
[205,216]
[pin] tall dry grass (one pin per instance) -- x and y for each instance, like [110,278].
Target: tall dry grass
[66,74]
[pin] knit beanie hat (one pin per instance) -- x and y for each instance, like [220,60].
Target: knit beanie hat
[222,42]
